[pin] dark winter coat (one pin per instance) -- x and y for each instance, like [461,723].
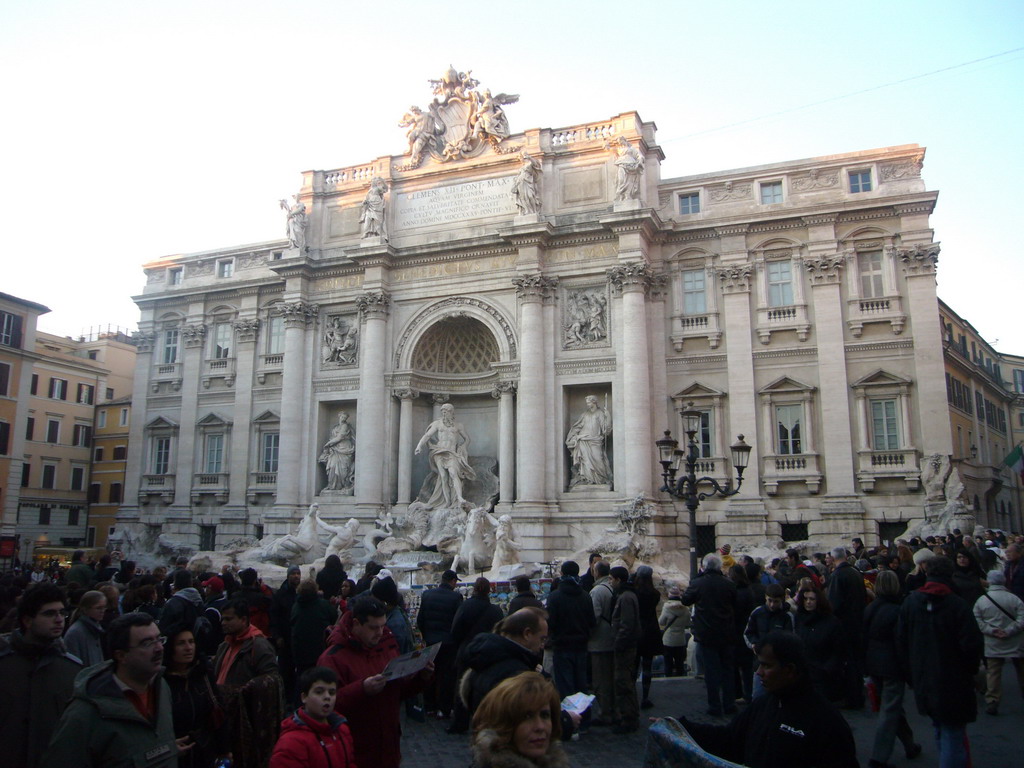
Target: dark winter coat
[438,607]
[744,607]
[490,659]
[848,596]
[281,615]
[762,621]
[36,686]
[797,729]
[373,720]
[81,574]
[626,619]
[193,704]
[650,630]
[826,646]
[330,580]
[311,617]
[102,729]
[941,646]
[475,615]
[713,623]
[967,584]
[524,600]
[880,621]
[259,599]
[181,611]
[570,616]
[306,743]
[1015,577]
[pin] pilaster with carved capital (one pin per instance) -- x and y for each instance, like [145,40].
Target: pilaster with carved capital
[825,269]
[920,259]
[246,330]
[503,387]
[144,341]
[406,394]
[630,277]
[374,305]
[193,335]
[299,313]
[736,279]
[536,287]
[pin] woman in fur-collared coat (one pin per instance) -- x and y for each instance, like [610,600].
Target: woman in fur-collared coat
[517,725]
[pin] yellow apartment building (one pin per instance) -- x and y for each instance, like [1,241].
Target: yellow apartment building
[979,417]
[109,459]
[18,318]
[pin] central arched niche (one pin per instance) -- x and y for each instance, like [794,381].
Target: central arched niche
[460,347]
[454,346]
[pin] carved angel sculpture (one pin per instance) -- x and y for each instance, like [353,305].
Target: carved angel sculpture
[488,119]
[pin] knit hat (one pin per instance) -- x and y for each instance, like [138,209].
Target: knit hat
[386,591]
[294,569]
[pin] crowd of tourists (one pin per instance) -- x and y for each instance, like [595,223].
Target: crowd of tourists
[106,665]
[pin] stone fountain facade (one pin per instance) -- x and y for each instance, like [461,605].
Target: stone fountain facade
[567,301]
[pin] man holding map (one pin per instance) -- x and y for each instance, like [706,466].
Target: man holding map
[360,647]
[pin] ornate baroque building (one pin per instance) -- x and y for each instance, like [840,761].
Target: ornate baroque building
[516,275]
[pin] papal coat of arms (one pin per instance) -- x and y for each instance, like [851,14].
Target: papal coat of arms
[460,122]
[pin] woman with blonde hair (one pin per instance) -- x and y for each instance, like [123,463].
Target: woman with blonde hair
[85,637]
[517,725]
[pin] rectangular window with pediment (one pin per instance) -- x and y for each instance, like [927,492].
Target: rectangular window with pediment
[694,292]
[884,425]
[788,428]
[170,346]
[214,453]
[704,436]
[275,335]
[269,451]
[780,283]
[221,341]
[161,452]
[869,265]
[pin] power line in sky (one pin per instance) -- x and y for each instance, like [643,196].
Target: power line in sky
[842,96]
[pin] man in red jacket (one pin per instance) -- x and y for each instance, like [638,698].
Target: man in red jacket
[361,646]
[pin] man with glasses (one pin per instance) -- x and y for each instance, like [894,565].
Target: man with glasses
[37,675]
[120,713]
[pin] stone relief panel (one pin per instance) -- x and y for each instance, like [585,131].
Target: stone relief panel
[722,193]
[585,320]
[340,341]
[814,180]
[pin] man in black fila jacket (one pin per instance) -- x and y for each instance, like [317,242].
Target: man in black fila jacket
[791,726]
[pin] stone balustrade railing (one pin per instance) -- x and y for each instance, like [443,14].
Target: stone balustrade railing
[597,131]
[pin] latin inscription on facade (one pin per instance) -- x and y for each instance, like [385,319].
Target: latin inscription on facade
[453,268]
[453,203]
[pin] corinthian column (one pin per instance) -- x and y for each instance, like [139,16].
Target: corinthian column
[531,456]
[506,446]
[193,337]
[405,397]
[633,281]
[298,316]
[373,311]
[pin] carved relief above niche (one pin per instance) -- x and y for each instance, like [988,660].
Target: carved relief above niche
[339,344]
[585,318]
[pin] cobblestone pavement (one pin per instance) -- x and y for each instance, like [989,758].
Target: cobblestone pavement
[994,739]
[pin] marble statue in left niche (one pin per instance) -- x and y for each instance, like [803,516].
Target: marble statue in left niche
[339,456]
[372,214]
[340,345]
[297,221]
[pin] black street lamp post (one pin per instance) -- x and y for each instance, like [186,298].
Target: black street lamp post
[686,488]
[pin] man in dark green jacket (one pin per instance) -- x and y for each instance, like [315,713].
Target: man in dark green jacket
[120,714]
[37,676]
[80,573]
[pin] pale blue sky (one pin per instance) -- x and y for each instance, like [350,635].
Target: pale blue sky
[137,130]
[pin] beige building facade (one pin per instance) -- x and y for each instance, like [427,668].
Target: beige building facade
[514,276]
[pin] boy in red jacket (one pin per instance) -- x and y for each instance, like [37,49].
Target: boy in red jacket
[315,736]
